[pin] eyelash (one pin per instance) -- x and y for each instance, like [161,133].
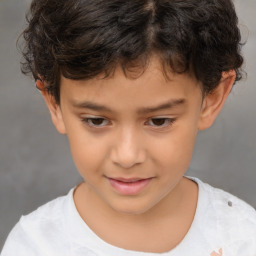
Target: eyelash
[170,121]
[88,121]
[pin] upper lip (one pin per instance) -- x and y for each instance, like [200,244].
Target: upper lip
[129,179]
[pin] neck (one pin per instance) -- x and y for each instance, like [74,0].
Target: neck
[164,225]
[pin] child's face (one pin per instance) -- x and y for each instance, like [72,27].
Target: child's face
[131,139]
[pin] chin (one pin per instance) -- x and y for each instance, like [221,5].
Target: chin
[131,207]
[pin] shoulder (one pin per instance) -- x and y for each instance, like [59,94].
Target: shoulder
[231,218]
[51,213]
[29,235]
[229,204]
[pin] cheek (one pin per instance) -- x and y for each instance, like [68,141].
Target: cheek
[184,139]
[88,153]
[175,151]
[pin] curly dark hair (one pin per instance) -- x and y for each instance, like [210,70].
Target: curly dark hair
[81,39]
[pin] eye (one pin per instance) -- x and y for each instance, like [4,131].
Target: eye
[95,121]
[161,122]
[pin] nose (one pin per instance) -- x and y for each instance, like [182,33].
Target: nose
[128,149]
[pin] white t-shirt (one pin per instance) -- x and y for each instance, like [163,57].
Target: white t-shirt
[223,226]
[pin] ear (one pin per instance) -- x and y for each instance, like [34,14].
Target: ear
[214,101]
[53,107]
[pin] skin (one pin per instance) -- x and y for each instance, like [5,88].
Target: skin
[125,142]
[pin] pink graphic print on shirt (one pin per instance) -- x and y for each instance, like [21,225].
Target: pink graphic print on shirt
[217,254]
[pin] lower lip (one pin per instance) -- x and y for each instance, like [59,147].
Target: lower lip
[129,188]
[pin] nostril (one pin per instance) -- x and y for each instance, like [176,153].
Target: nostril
[125,163]
[127,159]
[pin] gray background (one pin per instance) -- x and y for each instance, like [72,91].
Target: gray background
[35,162]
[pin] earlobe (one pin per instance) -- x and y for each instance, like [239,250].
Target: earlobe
[54,108]
[214,101]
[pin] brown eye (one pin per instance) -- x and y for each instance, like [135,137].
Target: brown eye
[161,122]
[95,122]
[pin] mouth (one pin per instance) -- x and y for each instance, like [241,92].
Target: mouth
[132,186]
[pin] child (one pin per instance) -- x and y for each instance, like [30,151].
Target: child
[130,83]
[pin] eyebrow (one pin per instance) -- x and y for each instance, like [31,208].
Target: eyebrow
[145,110]
[167,105]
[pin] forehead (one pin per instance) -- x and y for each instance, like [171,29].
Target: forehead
[139,88]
